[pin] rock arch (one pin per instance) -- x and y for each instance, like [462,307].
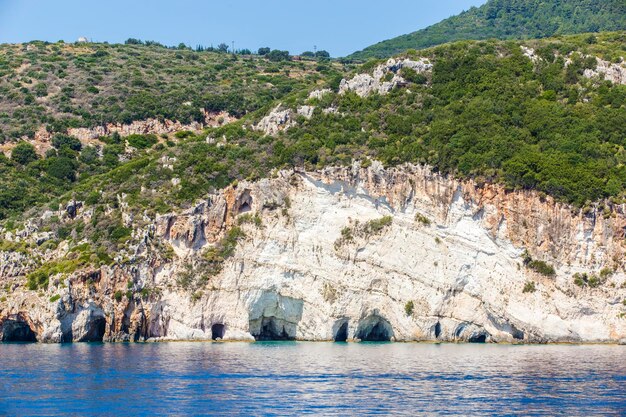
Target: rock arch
[374,328]
[274,317]
[15,328]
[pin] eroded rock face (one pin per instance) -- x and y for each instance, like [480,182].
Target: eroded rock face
[614,72]
[278,120]
[384,78]
[445,266]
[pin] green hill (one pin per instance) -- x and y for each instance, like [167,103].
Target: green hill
[510,19]
[59,85]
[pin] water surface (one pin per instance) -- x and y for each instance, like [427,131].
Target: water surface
[311,378]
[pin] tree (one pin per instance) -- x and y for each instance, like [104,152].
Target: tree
[133,41]
[59,141]
[277,55]
[264,51]
[222,47]
[24,153]
[308,54]
[322,54]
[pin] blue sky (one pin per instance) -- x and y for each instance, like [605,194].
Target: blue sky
[339,26]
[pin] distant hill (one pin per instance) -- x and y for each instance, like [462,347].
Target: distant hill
[510,19]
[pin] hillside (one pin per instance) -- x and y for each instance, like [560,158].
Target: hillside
[510,19]
[439,195]
[100,92]
[63,85]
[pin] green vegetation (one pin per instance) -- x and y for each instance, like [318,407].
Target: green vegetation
[408,308]
[118,295]
[540,267]
[486,113]
[588,280]
[249,218]
[78,257]
[64,85]
[423,220]
[510,19]
[55,298]
[529,287]
[362,230]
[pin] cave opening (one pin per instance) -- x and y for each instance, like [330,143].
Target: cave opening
[217,331]
[342,333]
[479,338]
[374,329]
[96,331]
[273,329]
[17,331]
[437,330]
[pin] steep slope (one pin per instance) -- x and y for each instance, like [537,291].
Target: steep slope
[510,19]
[79,110]
[60,86]
[345,253]
[426,197]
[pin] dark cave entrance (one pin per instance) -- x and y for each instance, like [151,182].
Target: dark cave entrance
[217,331]
[17,331]
[273,329]
[479,338]
[437,330]
[374,329]
[342,333]
[96,331]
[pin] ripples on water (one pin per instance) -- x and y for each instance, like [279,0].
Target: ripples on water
[311,378]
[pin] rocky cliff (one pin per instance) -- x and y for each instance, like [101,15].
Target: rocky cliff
[345,253]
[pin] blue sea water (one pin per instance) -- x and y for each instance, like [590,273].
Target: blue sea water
[311,379]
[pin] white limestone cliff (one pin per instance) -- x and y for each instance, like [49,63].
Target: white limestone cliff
[444,263]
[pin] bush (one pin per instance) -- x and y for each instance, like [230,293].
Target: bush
[408,308]
[540,267]
[420,218]
[37,279]
[23,153]
[59,141]
[118,295]
[529,287]
[588,280]
[277,56]
[54,298]
[142,141]
[373,227]
[412,76]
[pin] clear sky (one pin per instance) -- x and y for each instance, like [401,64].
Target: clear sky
[338,26]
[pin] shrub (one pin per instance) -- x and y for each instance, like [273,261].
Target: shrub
[23,153]
[412,76]
[588,280]
[373,227]
[529,287]
[420,218]
[142,141]
[249,218]
[118,295]
[37,279]
[183,134]
[60,140]
[408,308]
[540,267]
[55,298]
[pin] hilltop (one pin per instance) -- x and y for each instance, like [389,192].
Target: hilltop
[510,19]
[84,85]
